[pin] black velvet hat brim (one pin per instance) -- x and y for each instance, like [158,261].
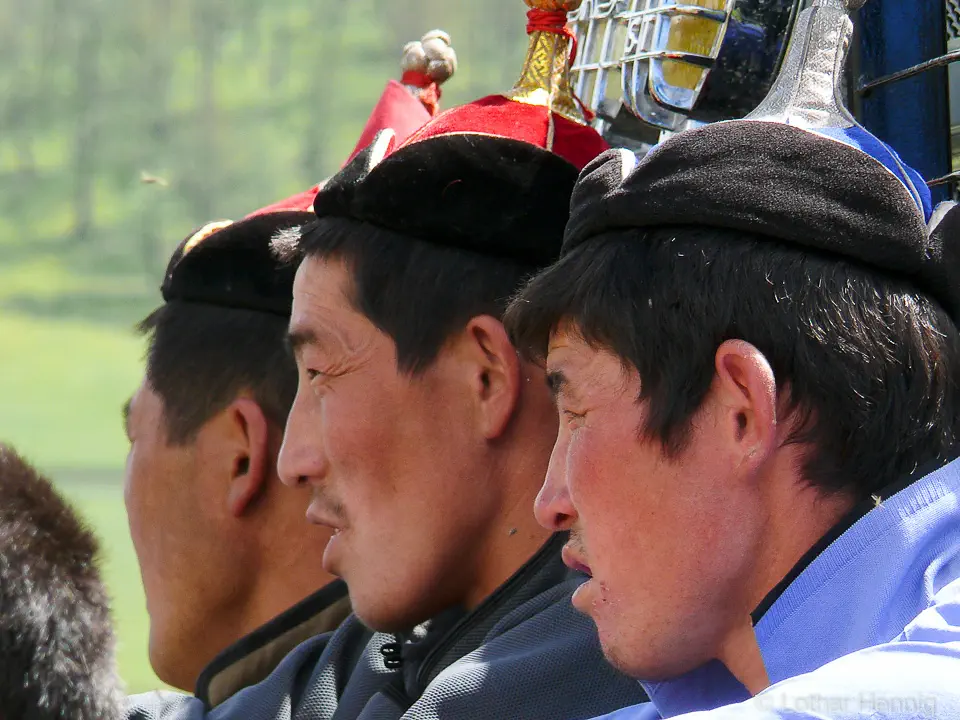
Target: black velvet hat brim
[776,181]
[235,267]
[491,195]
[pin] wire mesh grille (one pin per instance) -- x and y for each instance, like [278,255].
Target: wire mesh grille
[605,28]
[953,19]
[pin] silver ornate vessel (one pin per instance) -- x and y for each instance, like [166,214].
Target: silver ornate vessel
[646,66]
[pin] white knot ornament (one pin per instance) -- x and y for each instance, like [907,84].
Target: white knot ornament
[432,55]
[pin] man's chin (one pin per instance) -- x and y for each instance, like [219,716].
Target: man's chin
[384,619]
[585,596]
[382,611]
[645,663]
[638,668]
[333,555]
[168,667]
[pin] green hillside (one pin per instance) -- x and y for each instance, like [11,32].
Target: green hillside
[62,383]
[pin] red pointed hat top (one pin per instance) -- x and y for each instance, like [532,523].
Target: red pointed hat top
[404,106]
[541,109]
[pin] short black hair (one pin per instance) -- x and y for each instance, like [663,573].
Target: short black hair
[419,293]
[870,365]
[200,358]
[56,637]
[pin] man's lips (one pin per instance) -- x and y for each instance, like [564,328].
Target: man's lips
[318,514]
[573,561]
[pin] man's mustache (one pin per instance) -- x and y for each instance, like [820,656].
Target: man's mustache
[330,503]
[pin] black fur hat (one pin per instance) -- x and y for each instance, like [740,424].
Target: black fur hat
[232,265]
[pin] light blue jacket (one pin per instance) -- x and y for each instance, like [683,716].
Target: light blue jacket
[869,629]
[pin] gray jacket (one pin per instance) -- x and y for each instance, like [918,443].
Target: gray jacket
[525,652]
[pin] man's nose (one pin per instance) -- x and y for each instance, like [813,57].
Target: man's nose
[553,508]
[301,454]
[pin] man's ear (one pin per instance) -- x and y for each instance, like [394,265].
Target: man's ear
[746,390]
[252,460]
[495,373]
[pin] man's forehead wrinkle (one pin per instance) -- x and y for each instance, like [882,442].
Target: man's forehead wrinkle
[314,327]
[557,342]
[325,303]
[566,359]
[306,333]
[585,372]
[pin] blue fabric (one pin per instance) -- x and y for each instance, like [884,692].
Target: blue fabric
[870,629]
[859,138]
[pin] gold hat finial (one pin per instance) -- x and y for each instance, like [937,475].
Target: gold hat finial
[545,79]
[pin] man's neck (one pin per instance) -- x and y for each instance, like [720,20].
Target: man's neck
[251,658]
[279,587]
[269,593]
[515,548]
[513,536]
[798,517]
[742,657]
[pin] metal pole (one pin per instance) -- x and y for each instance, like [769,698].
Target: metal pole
[912,115]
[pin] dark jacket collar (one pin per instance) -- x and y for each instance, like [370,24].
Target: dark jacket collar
[254,657]
[430,648]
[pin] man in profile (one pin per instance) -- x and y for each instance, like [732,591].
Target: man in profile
[223,553]
[230,566]
[56,637]
[752,341]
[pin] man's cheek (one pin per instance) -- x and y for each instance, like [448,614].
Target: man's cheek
[587,484]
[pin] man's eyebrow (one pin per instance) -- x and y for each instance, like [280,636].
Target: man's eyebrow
[557,382]
[321,338]
[126,416]
[299,337]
